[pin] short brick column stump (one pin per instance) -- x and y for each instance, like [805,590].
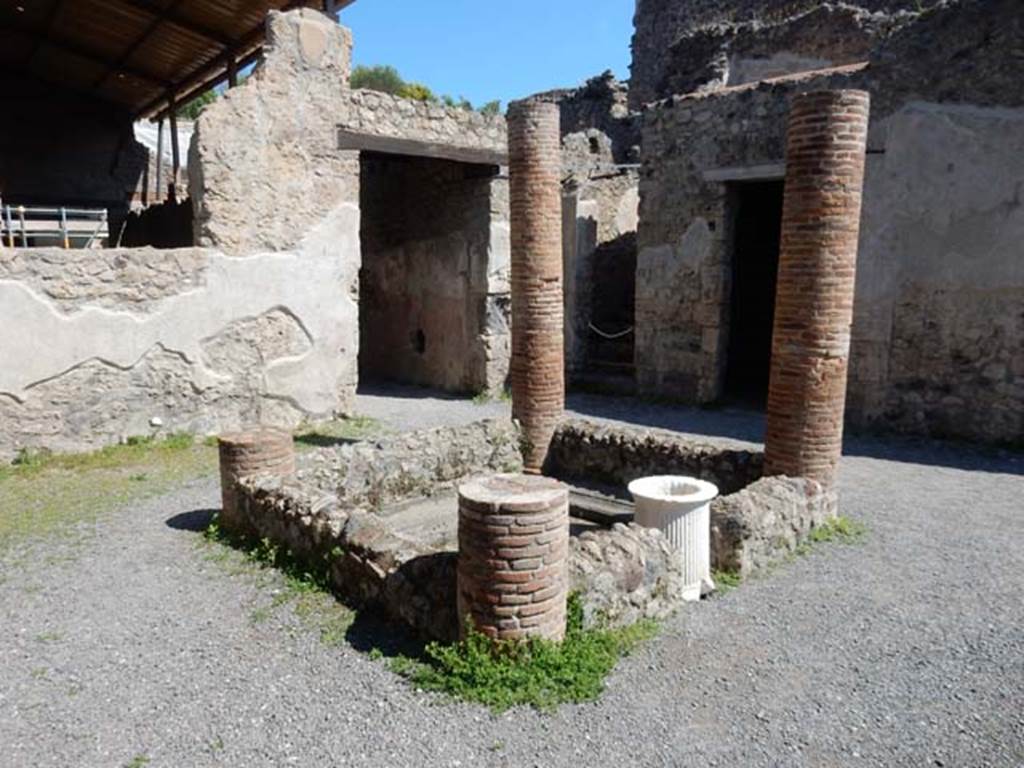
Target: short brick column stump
[252,452]
[513,556]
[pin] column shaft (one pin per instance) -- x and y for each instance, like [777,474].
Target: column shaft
[538,359]
[814,300]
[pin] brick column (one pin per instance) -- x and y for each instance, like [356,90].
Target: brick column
[538,359]
[814,299]
[513,556]
[256,451]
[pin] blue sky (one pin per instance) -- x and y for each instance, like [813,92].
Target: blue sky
[493,49]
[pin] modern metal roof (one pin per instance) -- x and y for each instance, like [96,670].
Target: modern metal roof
[136,53]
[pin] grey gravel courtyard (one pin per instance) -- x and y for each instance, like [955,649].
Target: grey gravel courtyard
[125,645]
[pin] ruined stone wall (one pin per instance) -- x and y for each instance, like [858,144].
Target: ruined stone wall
[434,287]
[679,44]
[105,344]
[278,154]
[938,335]
[59,148]
[259,325]
[615,455]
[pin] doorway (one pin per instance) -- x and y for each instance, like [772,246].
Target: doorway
[757,228]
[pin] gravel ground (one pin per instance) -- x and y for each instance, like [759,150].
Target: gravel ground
[907,648]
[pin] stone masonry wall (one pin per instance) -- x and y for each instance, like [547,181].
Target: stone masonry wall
[664,30]
[763,523]
[434,296]
[291,133]
[335,509]
[615,455]
[937,334]
[143,341]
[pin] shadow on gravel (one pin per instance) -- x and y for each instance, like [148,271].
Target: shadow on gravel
[748,425]
[196,521]
[373,632]
[398,391]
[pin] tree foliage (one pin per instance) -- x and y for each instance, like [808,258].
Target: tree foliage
[386,79]
[192,109]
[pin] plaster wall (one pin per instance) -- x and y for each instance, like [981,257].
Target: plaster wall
[434,288]
[143,341]
[938,334]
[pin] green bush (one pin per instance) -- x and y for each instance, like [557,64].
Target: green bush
[538,672]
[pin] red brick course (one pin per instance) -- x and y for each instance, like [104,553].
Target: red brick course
[814,299]
[513,583]
[257,451]
[537,368]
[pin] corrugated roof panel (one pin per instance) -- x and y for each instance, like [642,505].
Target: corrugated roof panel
[115,49]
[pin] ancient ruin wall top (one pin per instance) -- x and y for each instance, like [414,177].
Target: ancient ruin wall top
[660,24]
[272,159]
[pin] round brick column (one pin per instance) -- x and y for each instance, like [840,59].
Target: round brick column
[814,300]
[537,367]
[252,452]
[513,556]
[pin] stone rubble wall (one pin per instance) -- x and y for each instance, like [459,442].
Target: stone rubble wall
[434,294]
[625,574]
[677,44]
[334,510]
[329,512]
[106,344]
[615,455]
[937,342]
[763,523]
[279,154]
[274,141]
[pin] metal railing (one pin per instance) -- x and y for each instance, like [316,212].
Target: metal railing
[30,226]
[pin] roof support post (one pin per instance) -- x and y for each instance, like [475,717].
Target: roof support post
[172,192]
[159,158]
[232,70]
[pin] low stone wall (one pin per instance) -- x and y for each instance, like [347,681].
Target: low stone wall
[625,574]
[585,450]
[766,521]
[335,510]
[328,512]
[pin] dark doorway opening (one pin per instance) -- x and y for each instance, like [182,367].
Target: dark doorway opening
[757,227]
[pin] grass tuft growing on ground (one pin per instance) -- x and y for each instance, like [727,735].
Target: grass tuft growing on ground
[836,530]
[726,581]
[539,673]
[347,430]
[44,493]
[484,397]
[303,586]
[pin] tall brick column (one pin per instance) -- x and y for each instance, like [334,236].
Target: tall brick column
[513,556]
[814,299]
[257,451]
[538,365]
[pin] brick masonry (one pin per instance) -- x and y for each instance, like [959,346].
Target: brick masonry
[826,143]
[254,452]
[513,556]
[537,368]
